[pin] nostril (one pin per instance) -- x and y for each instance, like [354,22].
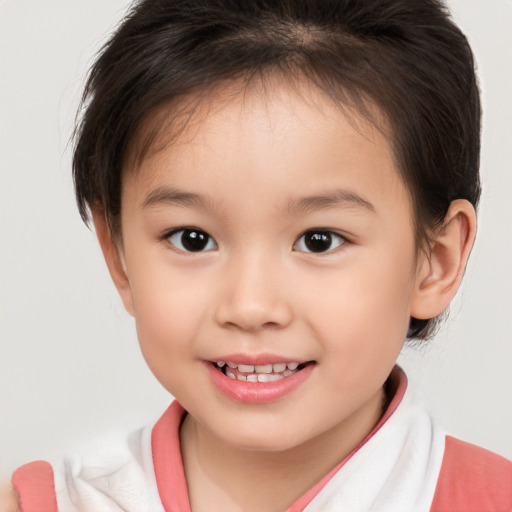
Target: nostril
[253,308]
[252,324]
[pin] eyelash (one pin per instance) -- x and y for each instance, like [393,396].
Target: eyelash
[207,243]
[322,236]
[200,236]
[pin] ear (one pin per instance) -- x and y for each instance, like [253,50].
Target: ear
[112,252]
[440,271]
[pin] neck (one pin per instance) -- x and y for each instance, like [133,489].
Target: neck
[224,477]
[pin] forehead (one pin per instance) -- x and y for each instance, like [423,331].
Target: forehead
[293,138]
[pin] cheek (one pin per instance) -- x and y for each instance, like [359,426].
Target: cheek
[163,296]
[168,316]
[365,305]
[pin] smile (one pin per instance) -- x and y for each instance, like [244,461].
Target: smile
[258,373]
[258,383]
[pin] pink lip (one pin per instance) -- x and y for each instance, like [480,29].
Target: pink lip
[256,392]
[256,359]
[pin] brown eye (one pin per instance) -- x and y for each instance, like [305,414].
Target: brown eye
[192,240]
[319,241]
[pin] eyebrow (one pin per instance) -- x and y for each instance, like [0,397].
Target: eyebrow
[329,200]
[174,197]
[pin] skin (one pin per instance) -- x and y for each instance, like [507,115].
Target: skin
[8,499]
[255,162]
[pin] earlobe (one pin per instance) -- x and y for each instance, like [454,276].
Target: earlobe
[441,270]
[114,259]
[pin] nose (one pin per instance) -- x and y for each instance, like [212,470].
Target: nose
[253,295]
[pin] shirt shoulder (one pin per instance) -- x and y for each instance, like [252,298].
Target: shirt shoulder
[35,488]
[472,479]
[111,474]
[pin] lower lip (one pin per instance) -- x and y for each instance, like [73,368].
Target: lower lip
[257,392]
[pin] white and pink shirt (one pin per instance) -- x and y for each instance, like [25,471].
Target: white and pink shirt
[406,464]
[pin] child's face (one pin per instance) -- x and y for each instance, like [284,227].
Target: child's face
[298,248]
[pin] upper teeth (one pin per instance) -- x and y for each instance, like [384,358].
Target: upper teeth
[259,368]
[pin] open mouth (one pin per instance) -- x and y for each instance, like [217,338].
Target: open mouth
[259,373]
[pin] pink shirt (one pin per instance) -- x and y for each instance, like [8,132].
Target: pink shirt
[404,462]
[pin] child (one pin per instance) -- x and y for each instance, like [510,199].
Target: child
[283,192]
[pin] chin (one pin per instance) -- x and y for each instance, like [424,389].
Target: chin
[254,441]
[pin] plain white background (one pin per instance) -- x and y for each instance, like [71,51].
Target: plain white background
[70,365]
